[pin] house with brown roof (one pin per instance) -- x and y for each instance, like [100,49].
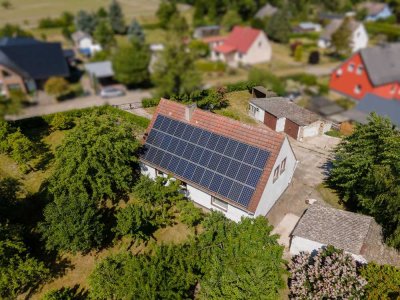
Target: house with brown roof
[223,164]
[356,234]
[282,115]
[358,39]
[375,10]
[243,45]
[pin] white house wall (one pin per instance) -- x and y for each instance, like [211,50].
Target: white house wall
[280,125]
[273,190]
[85,43]
[259,115]
[260,51]
[148,171]
[299,244]
[359,38]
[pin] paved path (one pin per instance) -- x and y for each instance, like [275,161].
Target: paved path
[79,103]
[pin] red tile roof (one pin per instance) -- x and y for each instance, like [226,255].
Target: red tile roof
[240,38]
[261,137]
[213,39]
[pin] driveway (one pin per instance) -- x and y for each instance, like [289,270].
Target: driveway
[79,103]
[312,155]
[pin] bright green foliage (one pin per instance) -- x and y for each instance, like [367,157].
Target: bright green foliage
[103,34]
[5,130]
[116,18]
[268,80]
[178,25]
[136,220]
[9,188]
[10,30]
[97,158]
[366,174]
[383,281]
[85,21]
[160,196]
[175,72]
[278,27]
[18,270]
[165,12]
[341,38]
[165,275]
[72,224]
[230,19]
[61,121]
[21,149]
[61,294]
[9,105]
[189,214]
[199,48]
[56,86]
[130,64]
[135,33]
[298,53]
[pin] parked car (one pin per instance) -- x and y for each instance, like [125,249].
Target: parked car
[111,92]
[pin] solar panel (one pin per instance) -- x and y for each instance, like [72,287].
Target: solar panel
[227,167]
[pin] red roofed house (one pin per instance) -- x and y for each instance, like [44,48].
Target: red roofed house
[374,70]
[223,164]
[244,45]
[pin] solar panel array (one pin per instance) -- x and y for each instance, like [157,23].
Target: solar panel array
[222,165]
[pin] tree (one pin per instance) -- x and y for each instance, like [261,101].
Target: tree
[116,18]
[278,27]
[366,174]
[230,19]
[175,72]
[383,281]
[61,294]
[21,149]
[19,271]
[267,79]
[298,53]
[101,13]
[166,10]
[329,274]
[61,121]
[6,4]
[178,25]
[135,33]
[199,49]
[341,38]
[9,30]
[97,158]
[5,130]
[131,64]
[56,86]
[85,21]
[9,188]
[72,224]
[244,250]
[103,34]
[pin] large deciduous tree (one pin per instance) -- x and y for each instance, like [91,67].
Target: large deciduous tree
[165,12]
[135,33]
[366,174]
[97,158]
[85,21]
[103,34]
[116,18]
[278,28]
[131,64]
[341,41]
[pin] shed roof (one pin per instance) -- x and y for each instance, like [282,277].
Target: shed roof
[283,108]
[324,106]
[100,69]
[260,137]
[330,226]
[33,59]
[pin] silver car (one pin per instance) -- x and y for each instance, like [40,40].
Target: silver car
[111,92]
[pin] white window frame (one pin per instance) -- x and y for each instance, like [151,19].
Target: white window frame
[276,173]
[283,166]
[253,109]
[360,70]
[357,89]
[339,72]
[223,205]
[160,173]
[393,89]
[350,67]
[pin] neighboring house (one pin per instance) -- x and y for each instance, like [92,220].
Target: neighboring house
[85,43]
[282,115]
[26,64]
[376,11]
[356,234]
[244,45]
[305,27]
[374,70]
[214,41]
[224,165]
[358,39]
[266,11]
[101,73]
[206,31]
[372,103]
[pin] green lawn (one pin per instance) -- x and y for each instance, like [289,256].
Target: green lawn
[329,196]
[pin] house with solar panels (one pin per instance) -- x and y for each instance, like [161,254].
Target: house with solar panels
[223,164]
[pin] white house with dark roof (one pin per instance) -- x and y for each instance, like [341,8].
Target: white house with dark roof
[85,43]
[282,115]
[376,10]
[223,164]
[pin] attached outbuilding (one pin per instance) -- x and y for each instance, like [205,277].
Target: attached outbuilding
[282,115]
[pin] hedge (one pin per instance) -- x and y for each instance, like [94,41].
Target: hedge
[210,66]
[150,102]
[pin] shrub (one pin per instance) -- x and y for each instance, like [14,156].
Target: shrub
[333,133]
[240,86]
[199,48]
[268,80]
[56,86]
[21,149]
[304,78]
[189,213]
[150,102]
[329,274]
[345,103]
[210,66]
[61,294]
[229,114]
[61,121]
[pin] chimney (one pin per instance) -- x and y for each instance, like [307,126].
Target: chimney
[189,109]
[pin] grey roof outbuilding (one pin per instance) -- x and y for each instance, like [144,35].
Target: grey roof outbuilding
[267,10]
[100,69]
[330,226]
[283,108]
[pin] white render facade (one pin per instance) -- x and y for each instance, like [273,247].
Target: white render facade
[284,166]
[359,40]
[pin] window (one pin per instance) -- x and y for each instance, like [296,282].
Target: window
[283,166]
[219,203]
[5,73]
[360,70]
[357,89]
[253,109]
[276,173]
[160,173]
[14,87]
[259,44]
[240,55]
[339,72]
[350,67]
[393,89]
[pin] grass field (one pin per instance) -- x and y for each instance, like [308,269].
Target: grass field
[28,12]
